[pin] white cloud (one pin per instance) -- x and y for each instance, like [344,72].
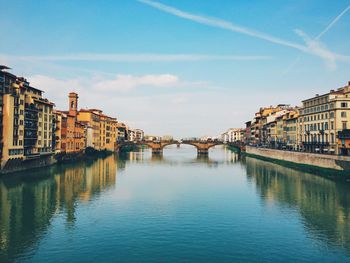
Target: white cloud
[131,57]
[105,88]
[125,83]
[181,112]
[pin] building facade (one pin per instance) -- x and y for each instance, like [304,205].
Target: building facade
[27,118]
[322,118]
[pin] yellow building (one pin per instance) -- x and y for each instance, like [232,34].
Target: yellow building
[111,134]
[104,128]
[91,117]
[27,122]
[291,130]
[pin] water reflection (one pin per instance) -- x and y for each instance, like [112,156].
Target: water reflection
[29,201]
[218,156]
[324,204]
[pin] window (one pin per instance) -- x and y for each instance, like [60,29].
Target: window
[343,114]
[344,105]
[331,115]
[332,125]
[344,125]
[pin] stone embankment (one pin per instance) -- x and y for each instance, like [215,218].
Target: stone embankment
[311,160]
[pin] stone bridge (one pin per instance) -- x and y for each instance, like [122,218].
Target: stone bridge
[158,146]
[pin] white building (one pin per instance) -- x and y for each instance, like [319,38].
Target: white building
[233,135]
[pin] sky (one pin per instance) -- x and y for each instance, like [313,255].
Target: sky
[184,68]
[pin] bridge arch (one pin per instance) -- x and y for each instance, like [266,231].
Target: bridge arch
[158,146]
[169,143]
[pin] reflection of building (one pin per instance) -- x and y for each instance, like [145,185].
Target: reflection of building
[324,204]
[27,207]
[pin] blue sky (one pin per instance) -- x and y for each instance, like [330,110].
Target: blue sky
[187,68]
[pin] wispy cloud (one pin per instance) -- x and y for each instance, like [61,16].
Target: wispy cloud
[311,47]
[332,62]
[126,83]
[131,57]
[215,22]
[117,83]
[317,48]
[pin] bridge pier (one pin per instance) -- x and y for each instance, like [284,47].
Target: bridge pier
[202,152]
[157,151]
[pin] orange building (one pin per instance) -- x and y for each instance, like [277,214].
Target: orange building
[70,133]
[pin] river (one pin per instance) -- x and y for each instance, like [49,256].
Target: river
[175,208]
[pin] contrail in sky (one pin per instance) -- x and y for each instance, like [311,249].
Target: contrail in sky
[223,24]
[312,46]
[334,21]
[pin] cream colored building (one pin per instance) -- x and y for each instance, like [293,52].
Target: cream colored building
[322,117]
[233,135]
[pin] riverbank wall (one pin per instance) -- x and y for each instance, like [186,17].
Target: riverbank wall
[320,163]
[21,165]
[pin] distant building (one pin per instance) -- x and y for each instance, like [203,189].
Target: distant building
[139,135]
[122,132]
[167,138]
[233,135]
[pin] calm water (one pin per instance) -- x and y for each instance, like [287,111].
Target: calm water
[178,208]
